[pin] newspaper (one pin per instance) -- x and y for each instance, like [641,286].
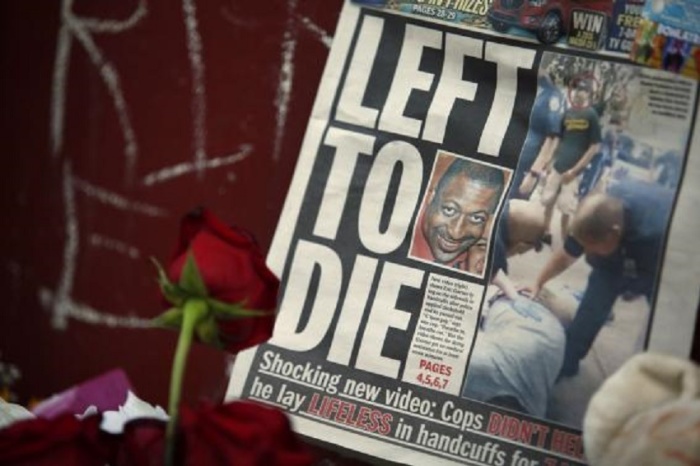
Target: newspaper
[668,37]
[589,25]
[479,231]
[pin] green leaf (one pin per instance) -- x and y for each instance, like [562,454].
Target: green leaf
[208,332]
[172,318]
[190,279]
[233,310]
[173,293]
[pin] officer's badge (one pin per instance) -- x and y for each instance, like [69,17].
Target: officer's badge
[555,104]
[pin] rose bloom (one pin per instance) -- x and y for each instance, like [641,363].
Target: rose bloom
[234,271]
[241,433]
[237,433]
[61,441]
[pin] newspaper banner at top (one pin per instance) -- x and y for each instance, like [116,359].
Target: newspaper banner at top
[472,242]
[609,25]
[668,37]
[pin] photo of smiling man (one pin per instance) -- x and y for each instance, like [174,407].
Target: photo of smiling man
[460,201]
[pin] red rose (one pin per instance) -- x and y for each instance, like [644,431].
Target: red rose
[233,270]
[241,433]
[237,433]
[64,440]
[141,444]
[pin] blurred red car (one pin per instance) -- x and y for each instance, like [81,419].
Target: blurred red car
[548,19]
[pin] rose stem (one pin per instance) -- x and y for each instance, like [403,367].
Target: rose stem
[194,310]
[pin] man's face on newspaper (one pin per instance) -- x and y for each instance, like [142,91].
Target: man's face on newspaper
[457,216]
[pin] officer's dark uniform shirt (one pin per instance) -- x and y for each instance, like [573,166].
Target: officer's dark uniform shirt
[646,208]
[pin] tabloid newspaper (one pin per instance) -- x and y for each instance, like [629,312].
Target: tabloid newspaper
[479,231]
[608,25]
[668,36]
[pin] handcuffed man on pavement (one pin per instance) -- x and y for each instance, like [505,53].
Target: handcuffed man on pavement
[519,348]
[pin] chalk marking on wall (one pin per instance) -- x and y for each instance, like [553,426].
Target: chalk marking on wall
[198,106]
[110,77]
[323,36]
[168,173]
[86,314]
[111,244]
[58,88]
[111,26]
[199,96]
[81,29]
[70,252]
[286,78]
[117,201]
[60,302]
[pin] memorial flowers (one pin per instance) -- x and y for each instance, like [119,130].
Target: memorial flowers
[218,291]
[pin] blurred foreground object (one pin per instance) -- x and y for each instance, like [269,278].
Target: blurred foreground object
[647,413]
[238,433]
[11,412]
[106,392]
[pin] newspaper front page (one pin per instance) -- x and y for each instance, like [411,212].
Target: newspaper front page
[609,25]
[478,233]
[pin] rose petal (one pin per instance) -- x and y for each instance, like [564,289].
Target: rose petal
[64,440]
[234,271]
[241,433]
[133,408]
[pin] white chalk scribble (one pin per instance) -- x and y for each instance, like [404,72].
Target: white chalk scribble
[86,314]
[286,78]
[168,173]
[117,200]
[199,95]
[111,244]
[323,36]
[82,30]
[60,302]
[70,252]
